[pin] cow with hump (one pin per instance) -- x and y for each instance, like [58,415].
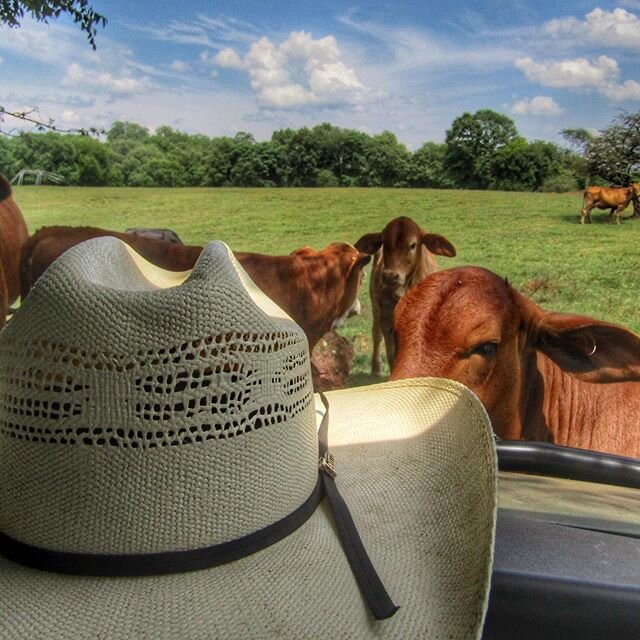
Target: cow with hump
[542,376]
[404,255]
[616,199]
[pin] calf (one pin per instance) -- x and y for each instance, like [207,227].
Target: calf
[542,376]
[614,198]
[316,288]
[13,235]
[404,256]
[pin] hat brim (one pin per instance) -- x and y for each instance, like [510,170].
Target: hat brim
[416,465]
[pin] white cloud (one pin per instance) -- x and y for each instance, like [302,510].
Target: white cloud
[298,72]
[570,73]
[228,59]
[179,65]
[538,106]
[70,117]
[35,42]
[628,90]
[617,28]
[77,75]
[580,73]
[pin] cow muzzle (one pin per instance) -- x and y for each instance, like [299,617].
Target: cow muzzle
[391,278]
[354,310]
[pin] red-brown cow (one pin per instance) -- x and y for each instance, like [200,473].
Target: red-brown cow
[316,288]
[535,371]
[614,198]
[404,256]
[13,235]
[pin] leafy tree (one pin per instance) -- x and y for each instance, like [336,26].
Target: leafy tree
[13,11]
[524,166]
[6,157]
[574,159]
[217,162]
[49,152]
[93,161]
[300,156]
[579,139]
[123,131]
[426,167]
[255,166]
[387,161]
[615,154]
[471,142]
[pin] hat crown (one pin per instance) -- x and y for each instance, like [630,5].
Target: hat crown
[140,417]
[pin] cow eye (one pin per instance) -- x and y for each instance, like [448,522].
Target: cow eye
[486,350]
[413,245]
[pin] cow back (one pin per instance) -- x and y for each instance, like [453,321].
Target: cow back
[49,243]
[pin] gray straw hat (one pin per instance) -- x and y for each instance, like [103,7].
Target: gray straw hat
[166,470]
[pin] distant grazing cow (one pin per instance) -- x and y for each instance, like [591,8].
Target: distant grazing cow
[535,371]
[159,234]
[614,198]
[316,288]
[13,235]
[404,257]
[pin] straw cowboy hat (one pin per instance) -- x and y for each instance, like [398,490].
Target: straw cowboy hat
[167,472]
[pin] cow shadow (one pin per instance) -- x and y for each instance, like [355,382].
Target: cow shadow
[597,219]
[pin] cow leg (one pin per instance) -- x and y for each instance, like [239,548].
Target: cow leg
[586,213]
[618,212]
[390,346]
[376,338]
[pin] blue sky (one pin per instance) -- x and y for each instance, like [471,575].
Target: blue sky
[409,67]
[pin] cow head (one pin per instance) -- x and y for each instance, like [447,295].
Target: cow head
[402,242]
[469,325]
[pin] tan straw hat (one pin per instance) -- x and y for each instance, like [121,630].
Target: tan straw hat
[160,475]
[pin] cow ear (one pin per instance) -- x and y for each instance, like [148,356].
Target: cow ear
[369,243]
[438,245]
[591,350]
[361,261]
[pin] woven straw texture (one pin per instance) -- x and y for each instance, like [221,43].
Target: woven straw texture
[416,464]
[140,398]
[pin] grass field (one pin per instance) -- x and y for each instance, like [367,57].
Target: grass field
[534,239]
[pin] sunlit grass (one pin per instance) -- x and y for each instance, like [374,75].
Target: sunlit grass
[533,239]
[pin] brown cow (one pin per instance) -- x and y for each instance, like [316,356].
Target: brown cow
[48,243]
[13,235]
[316,288]
[535,371]
[405,255]
[614,198]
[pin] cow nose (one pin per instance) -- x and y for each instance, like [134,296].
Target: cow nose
[390,277]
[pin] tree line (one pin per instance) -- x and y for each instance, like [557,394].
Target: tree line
[482,150]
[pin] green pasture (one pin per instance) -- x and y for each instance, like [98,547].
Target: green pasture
[533,239]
